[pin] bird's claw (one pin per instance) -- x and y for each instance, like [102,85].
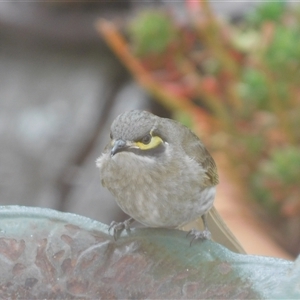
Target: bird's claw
[118,227]
[196,235]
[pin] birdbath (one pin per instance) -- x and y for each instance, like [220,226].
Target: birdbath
[46,254]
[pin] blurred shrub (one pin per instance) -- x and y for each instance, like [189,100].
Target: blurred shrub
[267,12]
[246,76]
[152,32]
[277,181]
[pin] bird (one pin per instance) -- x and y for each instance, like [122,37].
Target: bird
[160,174]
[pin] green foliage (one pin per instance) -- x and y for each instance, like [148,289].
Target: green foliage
[267,11]
[254,91]
[284,165]
[277,176]
[254,144]
[263,194]
[184,119]
[247,75]
[152,32]
[283,54]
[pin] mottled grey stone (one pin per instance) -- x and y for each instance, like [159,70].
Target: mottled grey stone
[50,104]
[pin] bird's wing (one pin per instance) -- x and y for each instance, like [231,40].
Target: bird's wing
[194,148]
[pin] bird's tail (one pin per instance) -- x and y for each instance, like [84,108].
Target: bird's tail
[219,231]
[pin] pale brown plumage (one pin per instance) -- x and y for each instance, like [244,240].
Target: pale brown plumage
[159,171]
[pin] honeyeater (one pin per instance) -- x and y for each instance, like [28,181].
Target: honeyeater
[161,175]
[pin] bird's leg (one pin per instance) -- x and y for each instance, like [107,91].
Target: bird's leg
[203,235]
[118,227]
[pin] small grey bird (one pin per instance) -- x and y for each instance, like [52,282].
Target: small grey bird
[159,172]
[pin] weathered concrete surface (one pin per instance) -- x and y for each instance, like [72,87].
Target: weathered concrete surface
[57,100]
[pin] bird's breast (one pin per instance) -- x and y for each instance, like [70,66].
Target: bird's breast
[156,192]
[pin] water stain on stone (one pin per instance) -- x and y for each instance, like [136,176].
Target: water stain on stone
[11,248]
[67,265]
[77,287]
[30,282]
[87,262]
[58,255]
[42,262]
[72,228]
[67,239]
[18,269]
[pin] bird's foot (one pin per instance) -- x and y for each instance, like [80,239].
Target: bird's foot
[118,227]
[196,235]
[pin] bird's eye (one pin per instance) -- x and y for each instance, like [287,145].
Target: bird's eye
[146,139]
[149,142]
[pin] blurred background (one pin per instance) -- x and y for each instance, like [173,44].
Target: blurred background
[228,70]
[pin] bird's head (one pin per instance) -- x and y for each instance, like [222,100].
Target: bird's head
[137,132]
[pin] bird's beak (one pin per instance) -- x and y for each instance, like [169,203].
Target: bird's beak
[118,146]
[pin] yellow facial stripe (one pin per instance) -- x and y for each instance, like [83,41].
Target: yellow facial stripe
[155,141]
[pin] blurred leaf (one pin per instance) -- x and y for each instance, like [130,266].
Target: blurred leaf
[246,40]
[267,11]
[152,31]
[263,194]
[253,90]
[283,54]
[284,164]
[183,118]
[275,177]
